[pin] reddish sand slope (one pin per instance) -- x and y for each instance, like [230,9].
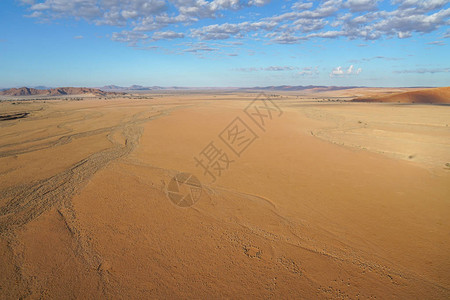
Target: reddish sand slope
[432,96]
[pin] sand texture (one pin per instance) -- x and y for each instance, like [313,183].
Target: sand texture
[325,199]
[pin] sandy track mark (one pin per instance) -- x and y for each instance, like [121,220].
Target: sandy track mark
[26,202]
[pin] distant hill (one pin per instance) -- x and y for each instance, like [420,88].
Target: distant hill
[111,87]
[123,88]
[137,88]
[313,88]
[24,91]
[430,96]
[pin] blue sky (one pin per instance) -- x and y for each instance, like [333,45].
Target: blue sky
[224,43]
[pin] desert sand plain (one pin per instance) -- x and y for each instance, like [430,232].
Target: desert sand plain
[331,200]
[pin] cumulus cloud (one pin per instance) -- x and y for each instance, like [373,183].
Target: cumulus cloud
[197,48]
[227,30]
[258,2]
[285,38]
[130,37]
[107,12]
[403,34]
[339,71]
[205,9]
[167,35]
[216,32]
[301,5]
[151,23]
[304,20]
[307,25]
[121,13]
[369,24]
[361,5]
[422,5]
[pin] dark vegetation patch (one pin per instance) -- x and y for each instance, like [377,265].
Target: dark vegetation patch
[5,117]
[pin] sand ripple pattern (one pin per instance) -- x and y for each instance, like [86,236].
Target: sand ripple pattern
[25,203]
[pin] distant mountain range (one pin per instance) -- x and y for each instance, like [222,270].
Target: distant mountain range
[145,88]
[39,87]
[268,88]
[117,90]
[24,91]
[121,88]
[315,88]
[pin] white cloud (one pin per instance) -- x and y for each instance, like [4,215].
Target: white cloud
[199,48]
[369,24]
[227,30]
[350,19]
[152,23]
[339,72]
[327,34]
[403,34]
[308,25]
[258,2]
[216,32]
[350,70]
[285,38]
[167,35]
[130,37]
[300,5]
[106,12]
[422,5]
[361,5]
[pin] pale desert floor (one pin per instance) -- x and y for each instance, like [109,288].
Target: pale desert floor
[332,200]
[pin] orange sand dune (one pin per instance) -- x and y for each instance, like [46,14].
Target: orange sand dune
[431,96]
